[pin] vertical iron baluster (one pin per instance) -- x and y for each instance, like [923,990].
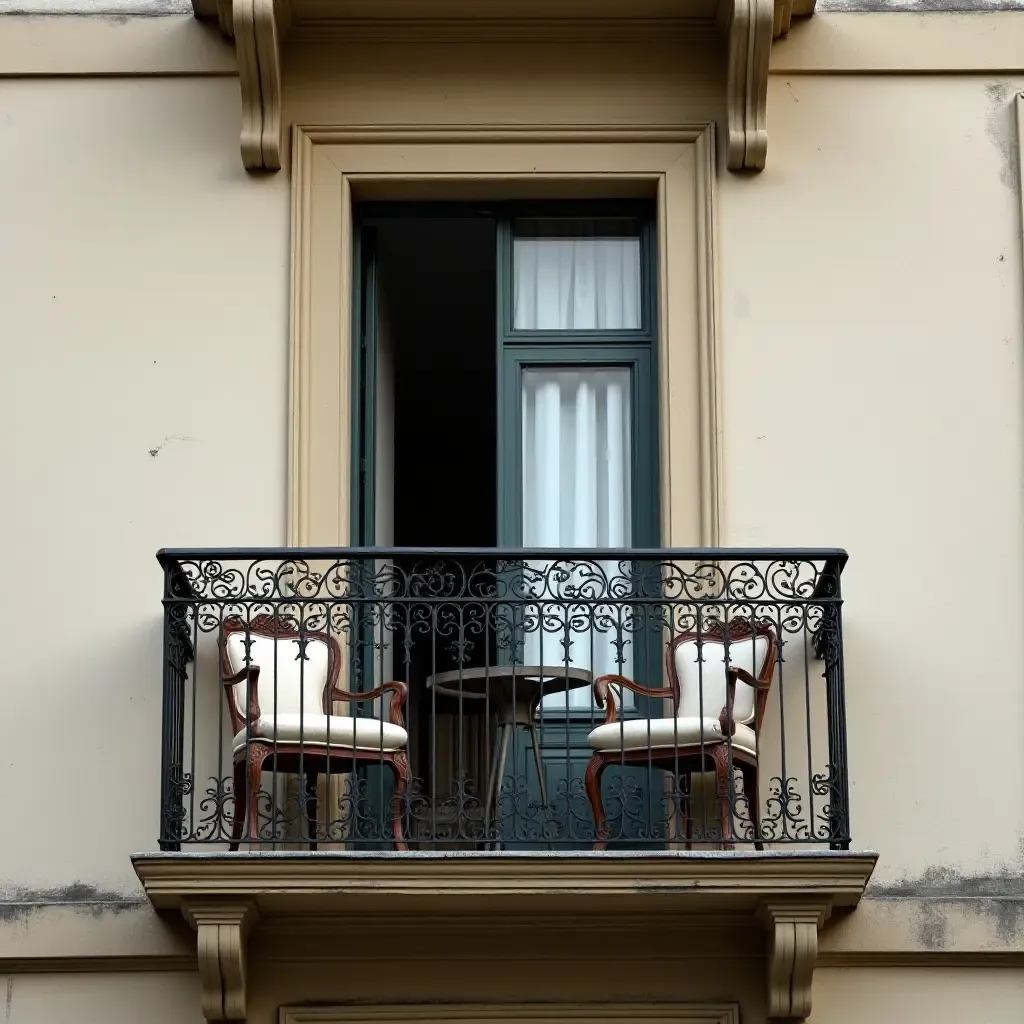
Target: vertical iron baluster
[804,648]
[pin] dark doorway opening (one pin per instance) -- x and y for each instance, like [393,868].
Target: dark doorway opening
[436,329]
[435,458]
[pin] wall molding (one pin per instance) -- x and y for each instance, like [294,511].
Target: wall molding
[130,963]
[890,43]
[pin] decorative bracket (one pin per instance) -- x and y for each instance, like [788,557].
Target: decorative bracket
[792,951]
[222,928]
[749,27]
[258,28]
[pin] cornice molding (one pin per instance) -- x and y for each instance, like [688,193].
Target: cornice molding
[259,27]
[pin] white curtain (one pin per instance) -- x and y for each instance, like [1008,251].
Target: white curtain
[576,439]
[576,284]
[576,494]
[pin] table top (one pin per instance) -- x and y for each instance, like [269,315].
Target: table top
[477,682]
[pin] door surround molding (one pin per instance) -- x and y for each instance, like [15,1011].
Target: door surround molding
[333,166]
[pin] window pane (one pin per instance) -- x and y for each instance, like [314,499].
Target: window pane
[576,494]
[576,275]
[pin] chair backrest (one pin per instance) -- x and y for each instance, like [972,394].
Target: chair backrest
[296,670]
[697,665]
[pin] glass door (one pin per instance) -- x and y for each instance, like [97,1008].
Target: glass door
[578,472]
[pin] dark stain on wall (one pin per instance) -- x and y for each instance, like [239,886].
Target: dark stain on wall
[19,903]
[937,891]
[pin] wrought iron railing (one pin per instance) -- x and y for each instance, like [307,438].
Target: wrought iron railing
[360,699]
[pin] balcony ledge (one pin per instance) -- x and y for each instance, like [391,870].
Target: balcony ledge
[223,894]
[573,882]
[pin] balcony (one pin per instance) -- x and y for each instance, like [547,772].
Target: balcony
[513,732]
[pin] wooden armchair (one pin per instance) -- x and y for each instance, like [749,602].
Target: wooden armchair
[718,683]
[281,687]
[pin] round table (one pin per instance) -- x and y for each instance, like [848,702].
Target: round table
[514,692]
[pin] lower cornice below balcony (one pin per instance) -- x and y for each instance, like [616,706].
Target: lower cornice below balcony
[223,895]
[286,882]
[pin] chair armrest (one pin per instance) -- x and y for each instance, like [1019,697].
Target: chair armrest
[725,719]
[604,693]
[252,714]
[399,694]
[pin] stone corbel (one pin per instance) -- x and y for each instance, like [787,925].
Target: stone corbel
[749,27]
[258,28]
[222,929]
[792,927]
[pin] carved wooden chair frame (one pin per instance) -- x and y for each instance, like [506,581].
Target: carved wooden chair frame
[714,754]
[291,757]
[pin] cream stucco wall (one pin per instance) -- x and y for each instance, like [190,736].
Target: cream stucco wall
[871,310]
[160,998]
[870,285]
[143,283]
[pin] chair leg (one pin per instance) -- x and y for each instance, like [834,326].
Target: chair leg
[312,825]
[749,772]
[595,768]
[258,753]
[720,756]
[238,818]
[400,764]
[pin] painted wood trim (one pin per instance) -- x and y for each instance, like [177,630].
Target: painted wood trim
[675,162]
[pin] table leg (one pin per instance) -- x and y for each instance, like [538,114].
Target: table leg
[498,772]
[535,739]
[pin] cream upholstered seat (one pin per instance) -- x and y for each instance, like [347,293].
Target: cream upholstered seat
[292,697]
[718,682]
[643,733]
[702,686]
[282,694]
[324,731]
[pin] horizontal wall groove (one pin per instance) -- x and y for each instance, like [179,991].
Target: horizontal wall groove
[862,958]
